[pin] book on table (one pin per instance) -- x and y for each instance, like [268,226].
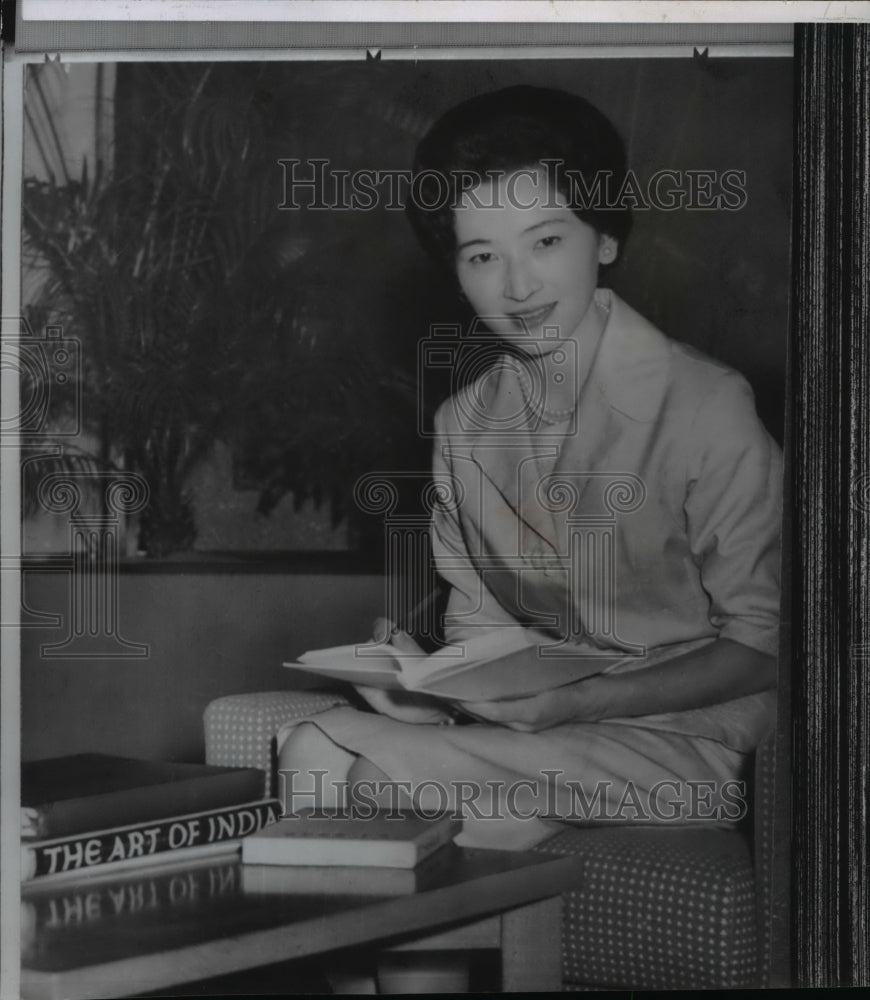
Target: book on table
[394,838]
[90,791]
[491,666]
[347,880]
[179,838]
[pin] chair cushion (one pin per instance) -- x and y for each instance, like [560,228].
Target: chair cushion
[659,909]
[240,728]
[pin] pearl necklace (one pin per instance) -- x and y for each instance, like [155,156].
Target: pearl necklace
[550,417]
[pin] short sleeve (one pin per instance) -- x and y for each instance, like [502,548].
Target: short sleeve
[733,513]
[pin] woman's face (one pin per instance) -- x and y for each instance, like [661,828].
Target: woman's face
[529,262]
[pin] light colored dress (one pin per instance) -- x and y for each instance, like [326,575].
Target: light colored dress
[644,526]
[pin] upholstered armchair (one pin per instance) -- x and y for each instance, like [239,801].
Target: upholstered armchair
[656,908]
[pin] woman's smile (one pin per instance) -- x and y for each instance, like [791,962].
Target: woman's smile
[529,319]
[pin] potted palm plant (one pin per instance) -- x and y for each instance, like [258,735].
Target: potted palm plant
[204,314]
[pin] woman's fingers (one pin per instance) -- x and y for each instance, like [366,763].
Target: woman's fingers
[405,644]
[385,631]
[382,630]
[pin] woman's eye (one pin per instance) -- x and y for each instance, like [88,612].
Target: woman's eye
[481,258]
[549,241]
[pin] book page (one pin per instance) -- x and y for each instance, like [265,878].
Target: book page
[512,676]
[483,647]
[372,664]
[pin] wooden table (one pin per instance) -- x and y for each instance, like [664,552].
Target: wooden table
[156,928]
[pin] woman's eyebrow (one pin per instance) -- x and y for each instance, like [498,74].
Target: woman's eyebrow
[478,241]
[545,222]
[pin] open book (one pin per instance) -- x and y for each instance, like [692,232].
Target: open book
[495,665]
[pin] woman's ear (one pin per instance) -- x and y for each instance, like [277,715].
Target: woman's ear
[608,249]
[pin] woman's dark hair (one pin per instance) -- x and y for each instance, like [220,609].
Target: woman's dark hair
[519,127]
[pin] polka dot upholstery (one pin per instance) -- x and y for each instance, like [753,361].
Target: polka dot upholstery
[240,728]
[657,908]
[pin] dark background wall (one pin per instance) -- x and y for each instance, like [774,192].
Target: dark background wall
[209,635]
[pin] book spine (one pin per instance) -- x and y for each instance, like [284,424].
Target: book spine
[147,803]
[144,840]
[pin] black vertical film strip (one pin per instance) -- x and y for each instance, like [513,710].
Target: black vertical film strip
[830,370]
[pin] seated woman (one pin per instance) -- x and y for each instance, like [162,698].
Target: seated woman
[666,467]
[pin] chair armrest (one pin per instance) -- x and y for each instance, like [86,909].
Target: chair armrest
[240,729]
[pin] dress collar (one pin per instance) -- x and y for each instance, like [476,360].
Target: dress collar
[631,368]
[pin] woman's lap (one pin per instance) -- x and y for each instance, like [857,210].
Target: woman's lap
[584,773]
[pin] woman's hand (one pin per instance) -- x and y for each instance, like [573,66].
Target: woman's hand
[586,701]
[403,706]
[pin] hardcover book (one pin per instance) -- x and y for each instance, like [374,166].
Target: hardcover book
[396,838]
[140,844]
[346,880]
[91,791]
[493,666]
